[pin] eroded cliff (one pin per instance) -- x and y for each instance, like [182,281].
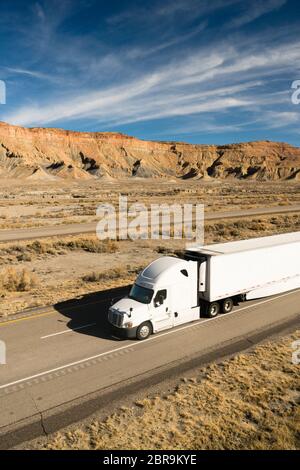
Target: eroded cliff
[49,153]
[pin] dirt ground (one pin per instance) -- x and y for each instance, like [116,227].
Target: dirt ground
[24,204]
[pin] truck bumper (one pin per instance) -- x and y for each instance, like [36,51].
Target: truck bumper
[128,333]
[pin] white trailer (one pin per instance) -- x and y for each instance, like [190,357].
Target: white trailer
[208,280]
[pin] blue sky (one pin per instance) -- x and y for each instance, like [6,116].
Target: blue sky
[201,71]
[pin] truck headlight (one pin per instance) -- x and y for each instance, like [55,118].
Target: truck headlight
[129,324]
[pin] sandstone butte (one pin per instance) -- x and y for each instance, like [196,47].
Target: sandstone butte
[48,154]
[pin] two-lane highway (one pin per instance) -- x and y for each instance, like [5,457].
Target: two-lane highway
[65,353]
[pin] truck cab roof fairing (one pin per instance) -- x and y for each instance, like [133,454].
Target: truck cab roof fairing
[162,271]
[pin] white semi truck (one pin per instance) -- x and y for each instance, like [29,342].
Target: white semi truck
[206,281]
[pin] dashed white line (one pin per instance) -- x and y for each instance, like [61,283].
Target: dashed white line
[69,330]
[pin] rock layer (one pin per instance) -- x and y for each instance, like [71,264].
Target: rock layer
[44,153]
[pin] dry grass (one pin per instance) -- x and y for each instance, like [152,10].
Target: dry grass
[251,227]
[117,273]
[104,275]
[27,251]
[248,402]
[12,280]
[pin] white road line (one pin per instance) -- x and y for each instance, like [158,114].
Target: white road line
[152,338]
[69,330]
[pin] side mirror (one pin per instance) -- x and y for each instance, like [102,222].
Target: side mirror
[159,301]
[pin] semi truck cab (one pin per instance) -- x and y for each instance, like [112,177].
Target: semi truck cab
[164,295]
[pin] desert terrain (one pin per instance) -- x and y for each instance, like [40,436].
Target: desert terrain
[51,178]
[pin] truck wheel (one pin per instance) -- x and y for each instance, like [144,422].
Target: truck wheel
[227,305]
[144,331]
[213,309]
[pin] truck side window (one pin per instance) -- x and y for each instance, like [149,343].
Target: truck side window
[160,297]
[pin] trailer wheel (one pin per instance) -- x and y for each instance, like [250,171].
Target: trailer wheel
[213,309]
[227,305]
[144,331]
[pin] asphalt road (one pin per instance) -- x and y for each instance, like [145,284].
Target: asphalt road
[65,353]
[77,229]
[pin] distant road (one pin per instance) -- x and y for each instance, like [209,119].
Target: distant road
[79,229]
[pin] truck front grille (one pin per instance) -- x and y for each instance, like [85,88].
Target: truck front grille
[116,319]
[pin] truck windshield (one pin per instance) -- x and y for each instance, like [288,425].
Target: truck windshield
[141,294]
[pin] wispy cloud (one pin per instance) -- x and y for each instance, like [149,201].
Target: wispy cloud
[183,9]
[142,52]
[254,10]
[199,84]
[30,73]
[278,119]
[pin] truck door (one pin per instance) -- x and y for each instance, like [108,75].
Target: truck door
[184,301]
[162,317]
